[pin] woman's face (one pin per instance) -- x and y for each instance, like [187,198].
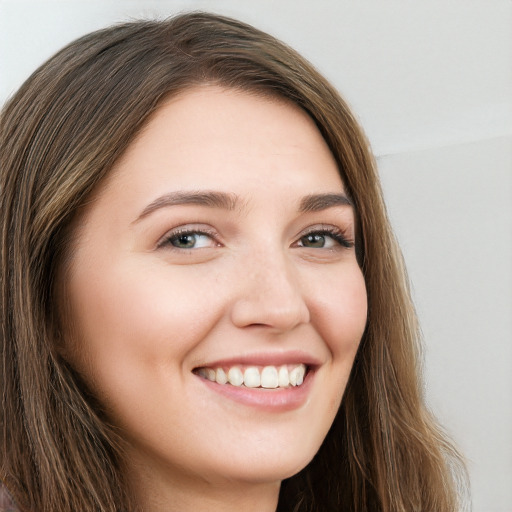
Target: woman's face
[220,247]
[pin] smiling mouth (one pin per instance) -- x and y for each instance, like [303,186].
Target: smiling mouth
[267,377]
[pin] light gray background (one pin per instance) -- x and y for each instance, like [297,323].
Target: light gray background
[432,85]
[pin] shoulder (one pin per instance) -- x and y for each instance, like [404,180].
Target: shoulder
[6,502]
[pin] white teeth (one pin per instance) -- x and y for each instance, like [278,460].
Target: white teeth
[235,376]
[209,374]
[220,376]
[284,380]
[297,375]
[252,377]
[269,377]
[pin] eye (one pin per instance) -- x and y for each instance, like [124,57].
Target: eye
[317,241]
[188,239]
[330,238]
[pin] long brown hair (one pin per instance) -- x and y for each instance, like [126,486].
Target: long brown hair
[60,135]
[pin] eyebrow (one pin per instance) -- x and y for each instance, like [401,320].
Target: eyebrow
[211,199]
[319,202]
[230,201]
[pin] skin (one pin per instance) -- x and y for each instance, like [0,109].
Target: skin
[147,311]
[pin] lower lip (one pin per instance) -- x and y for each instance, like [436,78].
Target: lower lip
[273,400]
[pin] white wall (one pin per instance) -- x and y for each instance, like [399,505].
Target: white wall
[432,84]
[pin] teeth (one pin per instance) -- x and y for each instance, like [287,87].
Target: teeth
[235,376]
[209,374]
[284,379]
[269,377]
[252,377]
[220,376]
[296,376]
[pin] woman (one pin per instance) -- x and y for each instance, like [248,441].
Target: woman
[203,306]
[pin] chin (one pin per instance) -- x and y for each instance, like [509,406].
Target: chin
[265,468]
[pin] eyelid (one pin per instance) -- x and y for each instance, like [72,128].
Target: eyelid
[193,229]
[340,235]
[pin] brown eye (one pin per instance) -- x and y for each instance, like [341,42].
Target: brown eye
[314,240]
[325,239]
[184,241]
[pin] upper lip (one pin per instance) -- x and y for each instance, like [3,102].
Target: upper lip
[265,359]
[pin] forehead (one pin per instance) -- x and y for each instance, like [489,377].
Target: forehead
[215,138]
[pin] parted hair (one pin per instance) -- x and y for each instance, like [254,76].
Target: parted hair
[60,135]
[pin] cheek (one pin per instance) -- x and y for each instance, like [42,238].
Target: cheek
[131,322]
[340,314]
[340,310]
[337,302]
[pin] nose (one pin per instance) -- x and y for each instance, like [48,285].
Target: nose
[270,295]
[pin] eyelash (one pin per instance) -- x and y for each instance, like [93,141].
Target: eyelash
[337,234]
[181,232]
